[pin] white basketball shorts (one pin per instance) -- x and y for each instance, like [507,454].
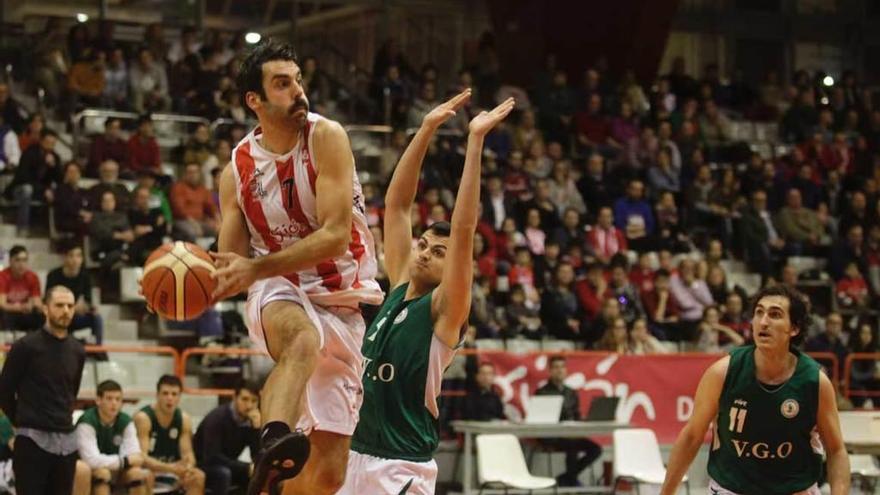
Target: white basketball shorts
[716,489]
[368,475]
[334,393]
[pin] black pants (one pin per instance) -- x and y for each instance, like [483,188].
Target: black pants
[38,472]
[219,479]
[574,461]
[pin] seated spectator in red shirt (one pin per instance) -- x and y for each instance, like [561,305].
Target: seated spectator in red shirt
[20,293]
[605,240]
[195,214]
[592,128]
[522,273]
[642,275]
[852,290]
[734,316]
[516,181]
[591,290]
[143,149]
[107,146]
[660,307]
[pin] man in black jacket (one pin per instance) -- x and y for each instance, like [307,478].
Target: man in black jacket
[38,386]
[38,170]
[574,463]
[481,402]
[222,436]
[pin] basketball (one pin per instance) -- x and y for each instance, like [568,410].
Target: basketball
[177,281]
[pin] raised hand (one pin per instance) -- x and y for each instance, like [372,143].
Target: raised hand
[486,121]
[446,110]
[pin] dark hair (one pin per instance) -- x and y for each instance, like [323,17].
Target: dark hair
[249,385]
[169,380]
[47,133]
[108,386]
[440,229]
[70,247]
[16,250]
[111,121]
[557,358]
[250,74]
[798,308]
[662,272]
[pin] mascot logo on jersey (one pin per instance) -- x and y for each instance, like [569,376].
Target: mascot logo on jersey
[790,408]
[256,184]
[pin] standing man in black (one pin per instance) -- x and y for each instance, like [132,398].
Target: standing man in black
[38,386]
[573,447]
[222,436]
[481,402]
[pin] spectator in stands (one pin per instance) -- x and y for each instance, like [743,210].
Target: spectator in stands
[165,435]
[149,84]
[557,106]
[222,436]
[521,318]
[195,214]
[641,340]
[482,403]
[148,226]
[38,386]
[563,191]
[85,80]
[31,133]
[571,232]
[864,374]
[660,305]
[72,275]
[198,149]
[560,309]
[615,338]
[661,176]
[734,317]
[830,340]
[483,311]
[856,212]
[850,249]
[760,240]
[108,443]
[593,186]
[691,294]
[592,290]
[20,293]
[525,132]
[799,226]
[422,104]
[108,177]
[715,337]
[70,204]
[534,233]
[798,121]
[624,291]
[593,129]
[110,233]
[642,274]
[143,149]
[10,109]
[633,215]
[852,290]
[714,125]
[10,151]
[605,240]
[107,146]
[188,44]
[115,94]
[37,173]
[541,202]
[579,452]
[496,205]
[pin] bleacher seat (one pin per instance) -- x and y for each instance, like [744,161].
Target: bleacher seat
[522,346]
[128,284]
[557,345]
[490,344]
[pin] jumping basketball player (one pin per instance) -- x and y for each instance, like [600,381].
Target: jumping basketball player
[415,334]
[773,411]
[290,198]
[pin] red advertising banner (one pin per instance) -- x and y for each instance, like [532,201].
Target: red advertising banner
[656,392]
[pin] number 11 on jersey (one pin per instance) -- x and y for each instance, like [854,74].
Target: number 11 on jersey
[737,419]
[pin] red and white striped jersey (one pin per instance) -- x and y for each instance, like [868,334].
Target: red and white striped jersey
[277,195]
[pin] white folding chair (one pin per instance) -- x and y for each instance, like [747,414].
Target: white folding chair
[863,466]
[500,461]
[637,459]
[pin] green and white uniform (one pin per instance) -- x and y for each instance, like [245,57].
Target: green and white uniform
[104,446]
[164,442]
[765,439]
[394,442]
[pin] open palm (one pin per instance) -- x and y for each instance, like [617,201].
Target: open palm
[446,110]
[486,121]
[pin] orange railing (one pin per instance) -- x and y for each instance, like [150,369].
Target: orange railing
[847,374]
[192,351]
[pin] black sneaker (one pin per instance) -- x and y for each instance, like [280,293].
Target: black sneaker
[270,471]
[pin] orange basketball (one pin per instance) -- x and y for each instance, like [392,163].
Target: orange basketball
[177,281]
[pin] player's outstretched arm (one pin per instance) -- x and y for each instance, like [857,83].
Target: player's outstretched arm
[828,423]
[691,437]
[452,300]
[402,190]
[333,200]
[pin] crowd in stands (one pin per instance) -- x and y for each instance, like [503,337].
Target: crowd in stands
[610,206]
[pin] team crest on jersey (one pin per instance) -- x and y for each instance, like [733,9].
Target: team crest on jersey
[790,408]
[401,316]
[256,184]
[117,440]
[173,433]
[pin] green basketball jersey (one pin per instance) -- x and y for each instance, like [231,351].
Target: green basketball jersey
[403,368]
[164,442]
[109,437]
[765,439]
